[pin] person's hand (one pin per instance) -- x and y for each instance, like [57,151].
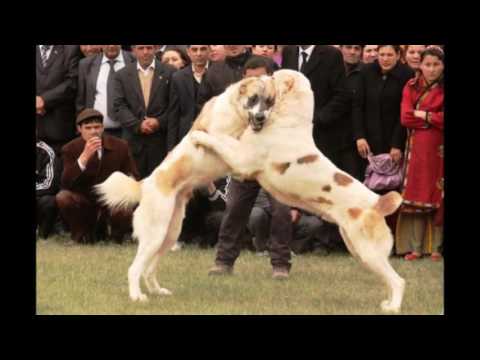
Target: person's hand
[396,154]
[152,123]
[295,215]
[363,148]
[421,114]
[91,146]
[145,128]
[40,105]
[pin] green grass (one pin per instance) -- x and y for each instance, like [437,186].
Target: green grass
[82,279]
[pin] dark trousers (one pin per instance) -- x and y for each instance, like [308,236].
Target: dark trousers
[240,200]
[305,232]
[148,158]
[84,217]
[46,214]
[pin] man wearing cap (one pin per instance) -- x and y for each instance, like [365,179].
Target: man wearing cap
[87,161]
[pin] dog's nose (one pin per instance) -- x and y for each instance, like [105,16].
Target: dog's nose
[259,117]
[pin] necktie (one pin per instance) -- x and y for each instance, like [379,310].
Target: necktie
[304,62]
[110,89]
[43,54]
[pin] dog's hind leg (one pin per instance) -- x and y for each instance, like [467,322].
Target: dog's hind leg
[151,232]
[174,229]
[373,253]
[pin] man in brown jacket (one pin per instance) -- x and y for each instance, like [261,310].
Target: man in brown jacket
[87,161]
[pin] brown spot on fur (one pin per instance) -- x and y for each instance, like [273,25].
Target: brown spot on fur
[168,179]
[307,159]
[327,188]
[354,212]
[342,179]
[387,204]
[322,200]
[372,224]
[289,82]
[281,167]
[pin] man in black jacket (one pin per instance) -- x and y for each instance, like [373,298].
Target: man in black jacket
[325,69]
[95,84]
[141,105]
[184,94]
[56,88]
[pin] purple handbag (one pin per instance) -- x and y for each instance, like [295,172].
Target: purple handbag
[383,173]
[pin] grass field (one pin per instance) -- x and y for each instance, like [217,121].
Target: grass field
[93,280]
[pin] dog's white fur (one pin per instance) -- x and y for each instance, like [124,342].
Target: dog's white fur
[163,195]
[283,158]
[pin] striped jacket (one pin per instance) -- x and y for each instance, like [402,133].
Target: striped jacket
[48,170]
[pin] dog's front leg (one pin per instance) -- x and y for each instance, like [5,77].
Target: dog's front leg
[238,156]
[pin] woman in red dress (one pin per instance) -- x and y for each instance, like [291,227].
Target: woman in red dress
[420,225]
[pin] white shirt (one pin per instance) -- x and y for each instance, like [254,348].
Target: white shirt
[49,51]
[145,71]
[308,50]
[101,89]
[197,76]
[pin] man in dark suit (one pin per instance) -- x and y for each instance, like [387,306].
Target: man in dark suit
[325,69]
[87,161]
[332,127]
[184,91]
[141,105]
[56,87]
[95,84]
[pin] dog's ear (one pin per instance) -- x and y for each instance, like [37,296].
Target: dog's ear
[288,83]
[243,89]
[284,83]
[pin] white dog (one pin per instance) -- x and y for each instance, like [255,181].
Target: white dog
[283,158]
[163,195]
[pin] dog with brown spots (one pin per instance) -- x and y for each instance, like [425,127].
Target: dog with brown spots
[289,166]
[162,196]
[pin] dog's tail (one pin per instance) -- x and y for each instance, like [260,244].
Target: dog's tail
[119,191]
[387,204]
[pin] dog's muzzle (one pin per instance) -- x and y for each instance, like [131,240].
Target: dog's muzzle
[256,121]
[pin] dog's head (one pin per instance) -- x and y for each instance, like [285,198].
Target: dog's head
[257,97]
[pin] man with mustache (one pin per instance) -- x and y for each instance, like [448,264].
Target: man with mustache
[87,161]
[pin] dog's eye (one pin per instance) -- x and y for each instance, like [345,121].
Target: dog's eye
[270,101]
[252,100]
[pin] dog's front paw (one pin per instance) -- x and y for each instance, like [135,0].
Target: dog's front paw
[199,138]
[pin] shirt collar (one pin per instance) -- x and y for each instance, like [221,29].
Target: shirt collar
[151,66]
[308,50]
[206,66]
[118,59]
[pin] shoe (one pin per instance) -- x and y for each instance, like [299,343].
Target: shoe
[221,270]
[280,273]
[436,256]
[412,256]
